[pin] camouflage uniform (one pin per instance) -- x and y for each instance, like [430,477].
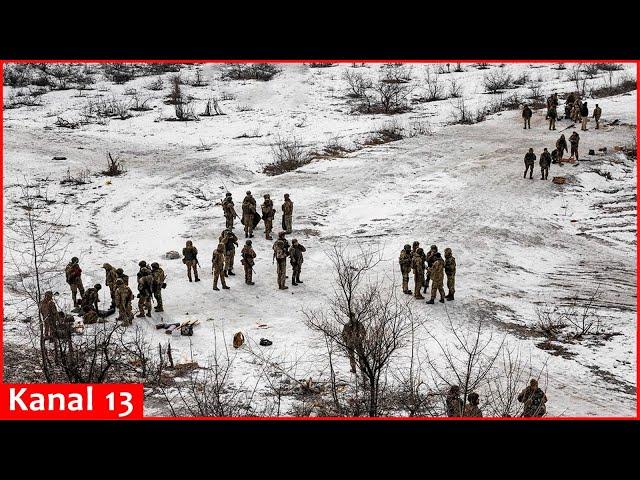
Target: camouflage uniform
[561,146]
[417,263]
[553,115]
[450,270]
[597,113]
[353,336]
[584,116]
[405,267]
[248,214]
[73,274]
[190,254]
[268,213]
[110,281]
[534,401]
[145,289]
[230,241]
[429,259]
[158,276]
[229,211]
[248,262]
[91,298]
[454,402]
[49,314]
[287,209]
[574,140]
[527,113]
[296,258]
[217,265]
[436,272]
[529,162]
[472,409]
[280,253]
[545,163]
[124,297]
[120,274]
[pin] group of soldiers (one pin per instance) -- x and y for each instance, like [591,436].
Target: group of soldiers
[532,397]
[556,156]
[249,214]
[575,109]
[413,258]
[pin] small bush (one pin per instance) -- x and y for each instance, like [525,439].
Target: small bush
[389,132]
[464,115]
[623,86]
[482,66]
[259,71]
[321,65]
[115,166]
[455,89]
[156,85]
[288,155]
[609,67]
[497,80]
[119,72]
[198,80]
[357,84]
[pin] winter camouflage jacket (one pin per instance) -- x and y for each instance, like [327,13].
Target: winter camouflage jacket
[530,158]
[296,254]
[545,159]
[436,271]
[450,266]
[405,261]
[247,256]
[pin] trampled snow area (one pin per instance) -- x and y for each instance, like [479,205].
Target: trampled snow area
[519,243]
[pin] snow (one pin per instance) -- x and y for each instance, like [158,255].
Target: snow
[518,242]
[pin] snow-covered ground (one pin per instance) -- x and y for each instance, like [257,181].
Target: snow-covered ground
[518,243]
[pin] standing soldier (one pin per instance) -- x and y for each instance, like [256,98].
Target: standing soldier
[287,216]
[429,259]
[534,400]
[527,113]
[110,281]
[190,259]
[49,314]
[584,116]
[436,272]
[230,242]
[268,212]
[158,276]
[124,297]
[405,267]
[120,274]
[561,146]
[568,106]
[454,402]
[472,408]
[529,162]
[248,214]
[217,264]
[353,336]
[73,273]
[280,254]
[296,258]
[228,210]
[545,163]
[574,140]
[597,113]
[145,289]
[248,262]
[553,115]
[417,263]
[450,270]
[575,113]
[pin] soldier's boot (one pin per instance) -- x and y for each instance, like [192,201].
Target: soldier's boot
[140,314]
[197,279]
[293,281]
[230,272]
[215,287]
[441,299]
[298,278]
[430,302]
[149,313]
[189,276]
[419,296]
[159,308]
[250,283]
[224,273]
[531,176]
[450,297]
[224,287]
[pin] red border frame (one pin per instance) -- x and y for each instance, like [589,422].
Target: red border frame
[387,60]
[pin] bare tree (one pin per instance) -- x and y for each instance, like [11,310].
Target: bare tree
[433,88]
[357,83]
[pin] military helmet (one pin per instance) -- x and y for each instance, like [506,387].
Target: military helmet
[119,282]
[286,195]
[416,243]
[119,271]
[419,251]
[474,398]
[447,251]
[74,260]
[295,240]
[97,286]
[266,195]
[454,390]
[189,243]
[407,247]
[142,264]
[533,382]
[48,294]
[281,234]
[434,248]
[155,265]
[107,266]
[248,192]
[248,242]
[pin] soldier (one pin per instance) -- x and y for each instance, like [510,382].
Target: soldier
[120,274]
[529,162]
[405,267]
[190,254]
[417,263]
[110,281]
[429,259]
[353,336]
[527,113]
[228,210]
[49,314]
[575,112]
[597,113]
[450,270]
[296,258]
[145,290]
[574,140]
[268,212]
[472,409]
[561,146]
[248,213]
[454,402]
[230,242]
[73,273]
[553,115]
[143,266]
[287,209]
[436,272]
[552,103]
[217,265]
[91,298]
[545,163]
[248,262]
[280,254]
[534,400]
[124,297]
[584,116]
[158,283]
